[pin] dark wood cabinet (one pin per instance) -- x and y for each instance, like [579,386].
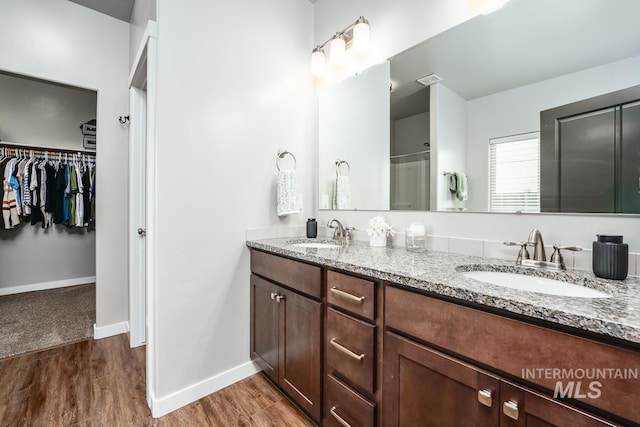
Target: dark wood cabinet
[353,341]
[265,329]
[359,352]
[521,407]
[425,388]
[286,329]
[300,350]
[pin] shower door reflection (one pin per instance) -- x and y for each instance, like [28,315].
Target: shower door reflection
[410,182]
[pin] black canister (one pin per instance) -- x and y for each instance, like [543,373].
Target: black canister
[312,228]
[610,257]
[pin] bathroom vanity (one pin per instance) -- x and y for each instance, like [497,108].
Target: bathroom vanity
[361,336]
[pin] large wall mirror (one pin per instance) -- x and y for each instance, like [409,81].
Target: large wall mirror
[460,129]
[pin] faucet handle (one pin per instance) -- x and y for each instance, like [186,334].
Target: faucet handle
[523,253]
[557,258]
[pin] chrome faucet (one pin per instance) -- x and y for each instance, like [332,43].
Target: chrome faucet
[339,232]
[539,255]
[535,240]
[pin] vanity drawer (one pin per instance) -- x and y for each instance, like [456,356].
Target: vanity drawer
[343,405]
[351,294]
[296,275]
[351,349]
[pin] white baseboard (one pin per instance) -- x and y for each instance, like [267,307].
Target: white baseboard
[100,332]
[187,395]
[47,285]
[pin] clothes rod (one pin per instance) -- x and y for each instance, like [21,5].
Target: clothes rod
[49,149]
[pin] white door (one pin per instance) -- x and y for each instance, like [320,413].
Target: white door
[137,216]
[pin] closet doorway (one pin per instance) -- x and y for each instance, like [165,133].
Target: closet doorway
[47,231]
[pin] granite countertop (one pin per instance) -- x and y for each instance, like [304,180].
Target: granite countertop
[437,272]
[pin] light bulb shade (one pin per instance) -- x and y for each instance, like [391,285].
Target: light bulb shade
[337,50]
[361,37]
[317,62]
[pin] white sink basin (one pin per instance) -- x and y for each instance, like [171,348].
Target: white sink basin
[316,245]
[534,284]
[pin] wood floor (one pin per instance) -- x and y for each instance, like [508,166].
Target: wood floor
[102,383]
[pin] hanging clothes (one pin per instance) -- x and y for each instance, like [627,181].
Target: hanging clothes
[41,191]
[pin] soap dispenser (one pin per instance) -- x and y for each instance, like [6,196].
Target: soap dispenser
[312,228]
[610,257]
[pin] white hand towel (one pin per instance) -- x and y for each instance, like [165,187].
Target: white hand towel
[461,190]
[287,197]
[341,192]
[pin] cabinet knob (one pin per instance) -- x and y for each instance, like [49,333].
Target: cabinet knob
[279,298]
[485,397]
[273,295]
[510,409]
[338,417]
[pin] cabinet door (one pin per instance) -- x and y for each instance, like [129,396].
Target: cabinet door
[300,350]
[264,326]
[525,408]
[426,388]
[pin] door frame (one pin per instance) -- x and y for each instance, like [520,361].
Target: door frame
[141,302]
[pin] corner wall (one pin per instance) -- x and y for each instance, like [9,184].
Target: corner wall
[64,42]
[233,87]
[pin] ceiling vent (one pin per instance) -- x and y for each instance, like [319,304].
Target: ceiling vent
[430,79]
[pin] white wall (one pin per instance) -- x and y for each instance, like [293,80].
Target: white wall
[233,87]
[517,111]
[33,112]
[448,143]
[353,123]
[396,26]
[143,11]
[64,42]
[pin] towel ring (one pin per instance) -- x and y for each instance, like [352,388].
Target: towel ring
[281,154]
[340,162]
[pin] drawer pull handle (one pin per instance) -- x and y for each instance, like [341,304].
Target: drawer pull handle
[346,295]
[338,417]
[510,409]
[345,350]
[484,397]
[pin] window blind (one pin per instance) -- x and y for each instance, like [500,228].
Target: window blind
[514,173]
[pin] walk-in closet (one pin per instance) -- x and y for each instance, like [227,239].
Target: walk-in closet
[47,231]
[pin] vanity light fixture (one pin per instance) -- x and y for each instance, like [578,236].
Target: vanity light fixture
[355,35]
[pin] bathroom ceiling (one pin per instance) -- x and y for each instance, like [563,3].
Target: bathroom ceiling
[119,9]
[520,44]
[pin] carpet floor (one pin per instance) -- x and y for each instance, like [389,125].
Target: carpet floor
[43,319]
